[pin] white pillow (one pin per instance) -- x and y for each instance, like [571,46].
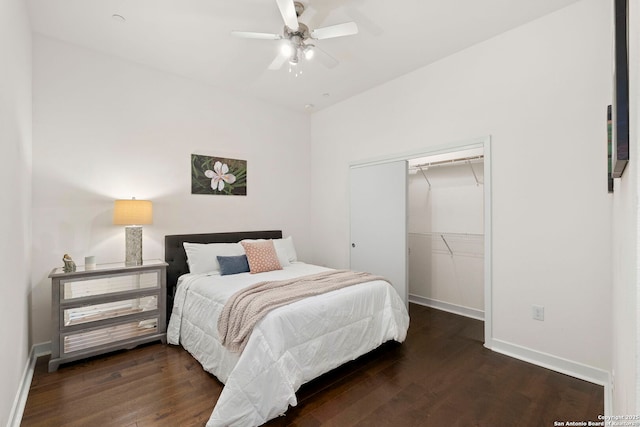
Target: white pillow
[284,249]
[202,257]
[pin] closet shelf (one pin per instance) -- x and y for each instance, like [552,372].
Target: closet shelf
[468,160]
[449,234]
[465,244]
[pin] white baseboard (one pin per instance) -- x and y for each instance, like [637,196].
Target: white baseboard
[445,306]
[15,417]
[559,364]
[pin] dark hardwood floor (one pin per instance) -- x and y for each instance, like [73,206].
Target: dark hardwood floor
[441,376]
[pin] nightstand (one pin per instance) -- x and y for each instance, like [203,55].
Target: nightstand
[110,307]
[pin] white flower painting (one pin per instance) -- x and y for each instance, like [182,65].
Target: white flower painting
[213,175]
[219,175]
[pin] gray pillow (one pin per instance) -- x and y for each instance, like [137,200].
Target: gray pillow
[233,264]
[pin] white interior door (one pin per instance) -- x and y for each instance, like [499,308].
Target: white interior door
[379,222]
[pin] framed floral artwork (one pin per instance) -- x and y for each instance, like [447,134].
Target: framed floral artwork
[217,175]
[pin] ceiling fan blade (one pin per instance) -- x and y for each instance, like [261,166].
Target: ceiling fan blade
[308,15]
[252,35]
[288,12]
[277,62]
[364,22]
[324,58]
[339,30]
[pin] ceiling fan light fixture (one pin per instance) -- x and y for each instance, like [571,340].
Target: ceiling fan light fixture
[309,52]
[287,49]
[294,59]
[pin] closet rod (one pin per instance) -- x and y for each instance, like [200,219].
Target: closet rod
[452,240]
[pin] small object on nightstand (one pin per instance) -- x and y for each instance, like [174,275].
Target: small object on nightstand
[89,262]
[69,264]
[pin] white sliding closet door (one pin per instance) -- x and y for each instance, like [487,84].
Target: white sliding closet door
[379,222]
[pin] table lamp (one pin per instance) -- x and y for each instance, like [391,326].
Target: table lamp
[133,214]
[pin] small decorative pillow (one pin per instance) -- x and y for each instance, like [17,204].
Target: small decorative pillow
[261,256]
[281,250]
[233,264]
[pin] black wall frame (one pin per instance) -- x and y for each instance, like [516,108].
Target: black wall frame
[621,90]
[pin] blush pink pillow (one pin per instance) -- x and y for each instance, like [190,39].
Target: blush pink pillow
[261,256]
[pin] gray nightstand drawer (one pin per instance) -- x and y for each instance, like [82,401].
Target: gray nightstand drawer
[87,314]
[103,285]
[106,336]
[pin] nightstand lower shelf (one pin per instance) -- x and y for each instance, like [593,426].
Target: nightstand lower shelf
[109,335]
[54,362]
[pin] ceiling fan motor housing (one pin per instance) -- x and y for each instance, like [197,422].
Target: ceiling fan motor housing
[302,32]
[297,39]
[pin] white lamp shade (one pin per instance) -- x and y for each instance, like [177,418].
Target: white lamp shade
[132,212]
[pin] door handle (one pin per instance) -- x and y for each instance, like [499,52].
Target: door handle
[353,245]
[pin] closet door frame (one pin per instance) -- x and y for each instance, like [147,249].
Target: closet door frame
[485,144]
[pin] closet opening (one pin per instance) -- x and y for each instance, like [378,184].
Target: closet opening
[446,231]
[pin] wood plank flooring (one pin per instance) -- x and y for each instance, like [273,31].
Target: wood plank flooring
[440,376]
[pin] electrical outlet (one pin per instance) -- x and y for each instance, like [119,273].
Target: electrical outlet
[537,312]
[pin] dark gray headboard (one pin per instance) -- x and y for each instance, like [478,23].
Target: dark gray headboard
[176,257]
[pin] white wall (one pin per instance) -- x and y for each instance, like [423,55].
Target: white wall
[541,92]
[625,249]
[450,202]
[15,187]
[105,129]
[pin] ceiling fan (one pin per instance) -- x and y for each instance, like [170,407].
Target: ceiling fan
[297,36]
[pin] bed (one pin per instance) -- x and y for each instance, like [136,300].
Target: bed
[291,345]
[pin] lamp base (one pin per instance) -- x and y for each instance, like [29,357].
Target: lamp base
[133,245]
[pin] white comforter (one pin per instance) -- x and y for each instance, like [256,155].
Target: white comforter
[290,346]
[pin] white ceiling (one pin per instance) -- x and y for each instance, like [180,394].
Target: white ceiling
[192,38]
